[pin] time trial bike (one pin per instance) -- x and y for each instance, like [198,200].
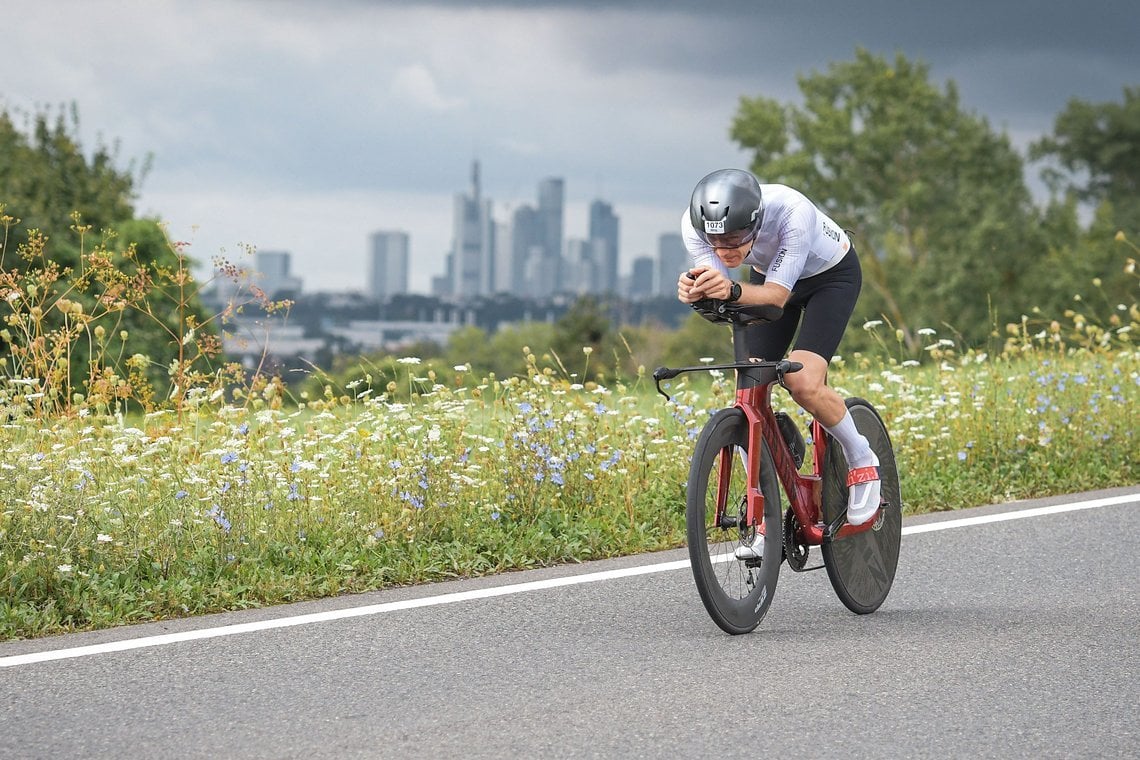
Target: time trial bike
[743,457]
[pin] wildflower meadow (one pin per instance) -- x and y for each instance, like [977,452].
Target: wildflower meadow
[114,511]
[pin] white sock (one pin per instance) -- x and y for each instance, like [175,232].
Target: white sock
[855,445]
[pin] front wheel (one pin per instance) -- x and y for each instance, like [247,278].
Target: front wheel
[736,592]
[862,566]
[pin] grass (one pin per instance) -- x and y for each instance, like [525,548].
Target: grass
[107,521]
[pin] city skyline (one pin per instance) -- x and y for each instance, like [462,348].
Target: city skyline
[531,255]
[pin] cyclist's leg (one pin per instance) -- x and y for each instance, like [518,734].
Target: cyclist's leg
[829,301]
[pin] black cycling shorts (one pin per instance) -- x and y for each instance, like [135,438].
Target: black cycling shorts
[820,306]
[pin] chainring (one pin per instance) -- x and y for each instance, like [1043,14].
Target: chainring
[795,552]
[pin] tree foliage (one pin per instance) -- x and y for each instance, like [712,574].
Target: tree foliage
[45,177]
[935,199]
[1092,161]
[1098,144]
[69,227]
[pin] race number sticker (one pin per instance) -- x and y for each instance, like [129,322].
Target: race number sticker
[714,228]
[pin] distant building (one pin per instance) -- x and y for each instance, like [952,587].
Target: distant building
[503,282]
[525,245]
[641,278]
[473,245]
[544,272]
[270,272]
[580,273]
[388,265]
[672,259]
[604,239]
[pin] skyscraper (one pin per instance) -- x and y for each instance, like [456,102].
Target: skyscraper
[388,265]
[672,259]
[641,278]
[526,245]
[545,274]
[473,245]
[551,200]
[604,237]
[271,274]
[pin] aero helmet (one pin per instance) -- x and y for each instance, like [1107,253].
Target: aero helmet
[726,209]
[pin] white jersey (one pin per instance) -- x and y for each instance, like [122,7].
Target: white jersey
[796,239]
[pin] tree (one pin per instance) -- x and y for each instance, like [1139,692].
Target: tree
[936,200]
[70,231]
[1093,157]
[45,178]
[1098,144]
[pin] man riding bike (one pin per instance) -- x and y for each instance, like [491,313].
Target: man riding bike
[801,261]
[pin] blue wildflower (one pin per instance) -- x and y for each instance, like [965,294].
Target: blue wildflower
[229,457]
[219,517]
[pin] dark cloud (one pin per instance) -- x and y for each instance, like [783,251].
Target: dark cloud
[1107,25]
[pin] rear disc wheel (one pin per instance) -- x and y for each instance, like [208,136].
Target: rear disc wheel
[862,566]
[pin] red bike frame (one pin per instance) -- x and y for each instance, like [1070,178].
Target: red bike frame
[805,492]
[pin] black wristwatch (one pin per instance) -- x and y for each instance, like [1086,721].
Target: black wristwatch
[734,294]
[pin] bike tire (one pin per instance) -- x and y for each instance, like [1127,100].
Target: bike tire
[862,566]
[735,595]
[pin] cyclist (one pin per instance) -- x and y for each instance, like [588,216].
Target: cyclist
[802,261]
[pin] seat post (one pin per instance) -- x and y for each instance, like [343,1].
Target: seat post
[739,344]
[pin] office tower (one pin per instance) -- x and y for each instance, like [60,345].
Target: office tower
[388,265]
[551,200]
[641,279]
[503,259]
[545,275]
[472,242]
[526,244]
[580,267]
[672,259]
[604,236]
[271,274]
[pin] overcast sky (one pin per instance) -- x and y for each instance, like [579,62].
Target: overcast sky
[305,126]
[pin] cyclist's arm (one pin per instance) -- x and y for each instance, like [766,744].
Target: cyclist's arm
[768,293]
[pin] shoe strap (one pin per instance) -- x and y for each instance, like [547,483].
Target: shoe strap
[862,475]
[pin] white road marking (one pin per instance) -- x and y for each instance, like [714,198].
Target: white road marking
[487,593]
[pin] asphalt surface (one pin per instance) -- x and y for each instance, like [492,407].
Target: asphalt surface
[1010,639]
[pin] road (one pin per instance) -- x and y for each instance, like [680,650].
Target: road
[1014,638]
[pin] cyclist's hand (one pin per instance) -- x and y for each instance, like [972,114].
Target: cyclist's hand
[703,283]
[686,286]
